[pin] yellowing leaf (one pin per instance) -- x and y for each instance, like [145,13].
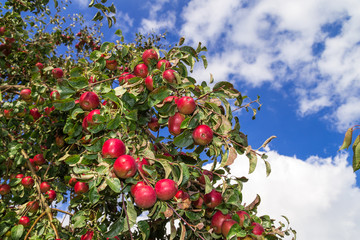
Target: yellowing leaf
[347,139]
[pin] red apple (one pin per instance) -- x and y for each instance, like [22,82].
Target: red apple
[87,236]
[186,105]
[25,221]
[44,187]
[73,181]
[40,101]
[81,187]
[154,124]
[25,94]
[135,187]
[125,76]
[125,166]
[89,101]
[213,199]
[4,189]
[55,95]
[227,224]
[113,148]
[145,196]
[39,159]
[141,70]
[2,31]
[201,179]
[149,83]
[19,175]
[92,80]
[39,65]
[165,62]
[217,221]
[48,110]
[7,113]
[27,182]
[198,203]
[169,75]
[111,64]
[174,123]
[181,195]
[242,217]
[258,229]
[140,164]
[166,189]
[57,73]
[35,113]
[148,55]
[202,135]
[90,119]
[33,206]
[170,99]
[50,195]
[85,123]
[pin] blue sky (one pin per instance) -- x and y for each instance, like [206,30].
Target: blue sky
[301,57]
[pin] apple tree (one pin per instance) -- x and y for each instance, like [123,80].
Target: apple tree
[116,136]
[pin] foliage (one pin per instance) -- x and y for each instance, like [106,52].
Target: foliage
[43,60]
[355,147]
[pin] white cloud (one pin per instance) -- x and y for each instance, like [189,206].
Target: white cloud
[123,21]
[318,195]
[83,3]
[274,41]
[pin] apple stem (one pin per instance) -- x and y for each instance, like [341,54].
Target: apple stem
[124,208]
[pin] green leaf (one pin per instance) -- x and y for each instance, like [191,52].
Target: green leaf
[65,90]
[184,140]
[208,184]
[223,85]
[356,154]
[94,195]
[158,95]
[131,214]
[114,184]
[95,55]
[91,3]
[97,17]
[72,159]
[64,104]
[132,115]
[166,166]
[268,168]
[204,61]
[237,231]
[144,229]
[347,139]
[124,51]
[17,232]
[80,221]
[114,123]
[253,161]
[76,72]
[79,82]
[185,174]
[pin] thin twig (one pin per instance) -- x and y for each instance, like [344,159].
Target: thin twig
[127,217]
[59,210]
[33,225]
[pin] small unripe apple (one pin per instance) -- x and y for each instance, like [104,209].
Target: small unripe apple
[39,159]
[227,224]
[201,179]
[33,206]
[149,83]
[81,187]
[113,148]
[145,196]
[148,55]
[140,164]
[125,77]
[141,70]
[25,221]
[202,135]
[111,64]
[174,123]
[89,101]
[125,166]
[217,221]
[25,94]
[258,229]
[57,73]
[154,124]
[50,195]
[27,182]
[55,95]
[44,187]
[213,199]
[169,75]
[165,62]
[186,105]
[39,65]
[4,189]
[73,181]
[35,113]
[166,189]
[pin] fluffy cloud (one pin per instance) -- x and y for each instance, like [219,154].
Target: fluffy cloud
[312,45]
[318,195]
[83,3]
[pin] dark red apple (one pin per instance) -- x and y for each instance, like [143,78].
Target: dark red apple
[213,199]
[145,196]
[149,83]
[25,221]
[55,95]
[2,31]
[217,221]
[148,55]
[242,217]
[227,224]
[44,187]
[27,182]
[201,179]
[111,64]
[4,189]
[198,203]
[125,76]
[140,164]
[89,101]
[33,206]
[39,159]
[73,181]
[186,105]
[154,124]
[125,166]
[141,70]
[181,195]
[174,123]
[48,110]
[113,148]
[39,65]
[25,94]
[169,75]
[50,195]
[258,229]
[35,113]
[81,187]
[166,189]
[165,62]
[202,135]
[57,73]
[87,236]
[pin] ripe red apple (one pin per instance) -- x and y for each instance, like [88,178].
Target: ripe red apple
[154,124]
[201,179]
[81,187]
[87,236]
[258,229]
[89,101]
[2,31]
[19,175]
[73,181]
[166,189]
[44,187]
[125,76]
[217,221]
[141,70]
[7,113]
[50,195]
[92,80]
[202,135]
[169,75]
[59,141]
[48,110]
[55,95]
[113,148]
[135,187]
[35,113]
[140,164]
[4,189]
[186,105]
[90,119]
[161,62]
[33,206]
[25,94]
[148,55]
[25,221]
[39,65]
[85,123]
[145,196]
[174,123]
[212,199]
[125,166]
[39,159]
[198,203]
[227,224]
[111,64]
[57,73]
[181,195]
[27,182]
[149,83]
[241,215]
